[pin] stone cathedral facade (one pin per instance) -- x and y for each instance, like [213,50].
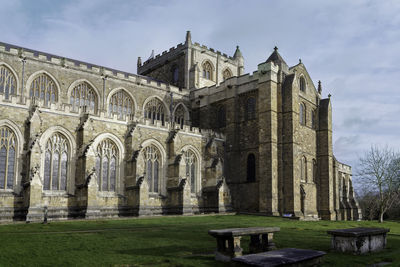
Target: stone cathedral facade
[190,133]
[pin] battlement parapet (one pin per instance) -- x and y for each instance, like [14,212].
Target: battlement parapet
[68,63]
[224,56]
[154,60]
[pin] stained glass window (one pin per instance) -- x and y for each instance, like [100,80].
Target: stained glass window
[83,95]
[44,88]
[8,83]
[107,165]
[190,161]
[207,70]
[154,110]
[8,147]
[122,104]
[152,159]
[179,116]
[56,163]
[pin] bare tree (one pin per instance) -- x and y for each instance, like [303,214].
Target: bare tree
[380,173]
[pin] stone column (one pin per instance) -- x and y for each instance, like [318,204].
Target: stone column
[268,138]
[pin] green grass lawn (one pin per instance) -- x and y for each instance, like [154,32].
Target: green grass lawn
[168,241]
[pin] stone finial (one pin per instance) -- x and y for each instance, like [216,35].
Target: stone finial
[188,38]
[319,87]
[299,60]
[238,53]
[329,95]
[276,49]
[139,62]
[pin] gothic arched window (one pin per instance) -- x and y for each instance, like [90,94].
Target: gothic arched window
[315,170]
[226,74]
[83,95]
[302,114]
[179,116]
[44,88]
[107,165]
[154,110]
[303,84]
[221,117]
[251,168]
[8,148]
[175,74]
[153,165]
[191,161]
[207,70]
[121,104]
[250,108]
[8,83]
[56,163]
[303,169]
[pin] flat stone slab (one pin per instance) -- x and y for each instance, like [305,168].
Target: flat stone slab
[358,240]
[282,257]
[243,231]
[359,231]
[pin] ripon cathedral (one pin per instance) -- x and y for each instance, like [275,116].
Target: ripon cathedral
[190,133]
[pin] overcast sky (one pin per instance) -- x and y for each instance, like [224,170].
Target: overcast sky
[353,47]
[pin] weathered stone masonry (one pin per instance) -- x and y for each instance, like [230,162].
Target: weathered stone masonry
[86,141]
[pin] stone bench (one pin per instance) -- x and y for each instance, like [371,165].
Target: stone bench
[358,240]
[283,257]
[228,241]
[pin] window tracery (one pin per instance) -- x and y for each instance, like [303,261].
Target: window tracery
[121,104]
[179,116]
[152,160]
[207,70]
[56,163]
[107,165]
[226,74]
[83,95]
[8,148]
[8,83]
[154,111]
[44,88]
[191,161]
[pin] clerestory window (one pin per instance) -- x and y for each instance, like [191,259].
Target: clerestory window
[8,82]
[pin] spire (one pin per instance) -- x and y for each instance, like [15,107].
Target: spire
[238,53]
[188,38]
[319,87]
[276,57]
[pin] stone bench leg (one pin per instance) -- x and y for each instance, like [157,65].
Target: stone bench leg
[228,248]
[260,243]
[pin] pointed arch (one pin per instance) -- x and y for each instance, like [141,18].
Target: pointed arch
[226,73]
[154,156]
[84,95]
[109,154]
[8,80]
[208,70]
[302,84]
[155,109]
[251,167]
[44,86]
[58,159]
[302,114]
[181,114]
[120,101]
[193,163]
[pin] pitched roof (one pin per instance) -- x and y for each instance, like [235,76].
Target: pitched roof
[276,57]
